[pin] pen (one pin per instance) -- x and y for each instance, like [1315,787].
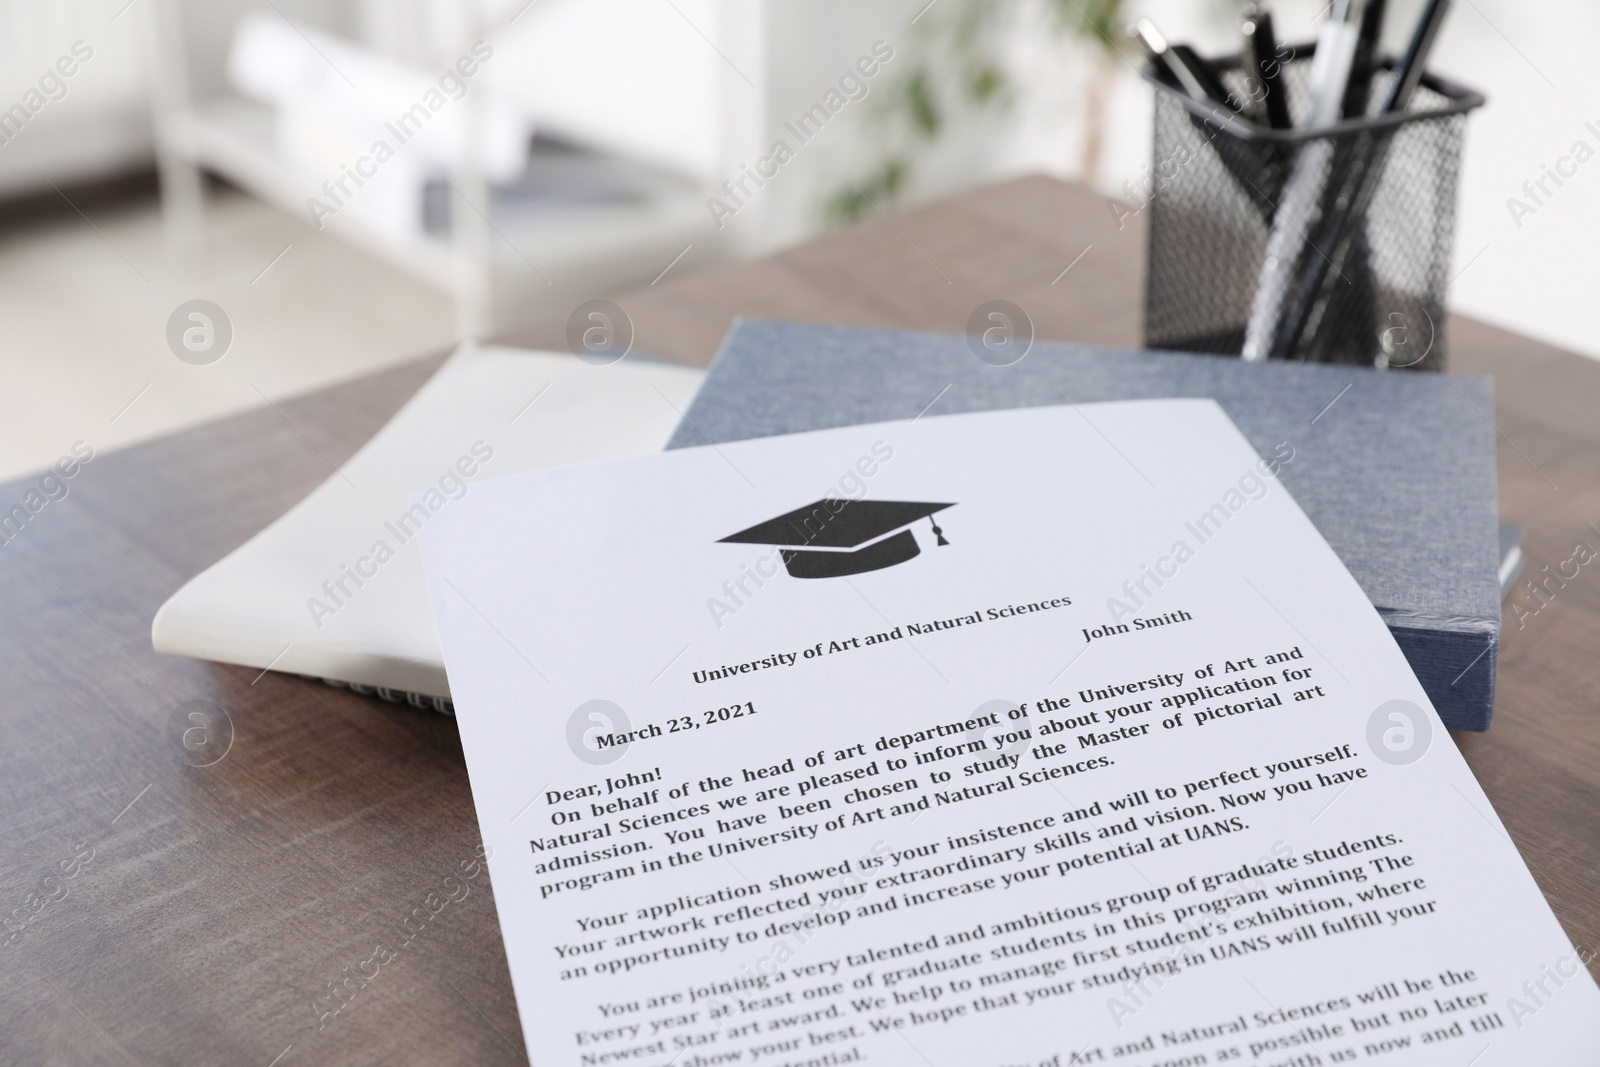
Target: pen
[1163,59]
[1261,53]
[1361,179]
[1409,70]
[1289,244]
[1212,89]
[1364,62]
[1330,65]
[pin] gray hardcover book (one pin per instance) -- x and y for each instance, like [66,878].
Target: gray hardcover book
[1396,469]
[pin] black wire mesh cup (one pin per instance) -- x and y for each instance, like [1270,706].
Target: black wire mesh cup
[1212,196]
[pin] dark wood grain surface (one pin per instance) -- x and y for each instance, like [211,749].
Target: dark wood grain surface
[220,903]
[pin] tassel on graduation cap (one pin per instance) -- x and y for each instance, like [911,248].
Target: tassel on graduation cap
[937,532]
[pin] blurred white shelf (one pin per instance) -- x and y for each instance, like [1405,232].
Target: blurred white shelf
[580,244]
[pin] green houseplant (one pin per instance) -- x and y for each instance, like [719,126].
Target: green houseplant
[958,64]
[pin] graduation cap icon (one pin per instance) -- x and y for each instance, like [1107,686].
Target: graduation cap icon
[833,538]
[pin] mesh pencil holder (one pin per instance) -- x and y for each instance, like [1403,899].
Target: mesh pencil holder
[1214,192]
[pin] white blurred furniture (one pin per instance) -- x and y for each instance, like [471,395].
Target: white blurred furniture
[501,269]
[96,124]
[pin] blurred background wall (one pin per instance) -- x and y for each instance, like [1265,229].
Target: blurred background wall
[653,119]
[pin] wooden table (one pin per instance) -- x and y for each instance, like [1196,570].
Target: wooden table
[219,901]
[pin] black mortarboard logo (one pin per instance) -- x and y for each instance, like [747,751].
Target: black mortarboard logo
[833,538]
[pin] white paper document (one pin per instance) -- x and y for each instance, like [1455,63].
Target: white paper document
[1044,737]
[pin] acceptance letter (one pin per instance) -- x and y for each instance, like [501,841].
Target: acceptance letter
[1046,737]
